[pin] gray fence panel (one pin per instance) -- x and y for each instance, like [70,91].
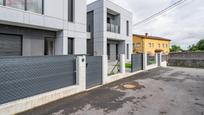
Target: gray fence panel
[137,62]
[22,77]
[93,71]
[164,58]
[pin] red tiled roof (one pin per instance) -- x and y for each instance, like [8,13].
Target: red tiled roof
[152,37]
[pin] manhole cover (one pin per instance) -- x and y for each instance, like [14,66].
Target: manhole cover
[129,86]
[132,85]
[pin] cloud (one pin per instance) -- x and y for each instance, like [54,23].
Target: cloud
[184,25]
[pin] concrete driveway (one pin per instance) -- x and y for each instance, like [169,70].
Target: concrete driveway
[161,91]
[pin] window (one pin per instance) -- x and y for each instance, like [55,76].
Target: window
[30,5]
[163,45]
[138,45]
[159,45]
[150,45]
[1,2]
[71,46]
[117,52]
[153,45]
[127,51]
[35,6]
[127,26]
[108,51]
[166,45]
[20,4]
[71,10]
[49,45]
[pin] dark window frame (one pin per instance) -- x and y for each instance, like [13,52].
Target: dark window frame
[72,18]
[72,47]
[127,28]
[21,37]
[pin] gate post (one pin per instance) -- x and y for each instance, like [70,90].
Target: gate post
[104,68]
[81,72]
[158,59]
[144,61]
[122,63]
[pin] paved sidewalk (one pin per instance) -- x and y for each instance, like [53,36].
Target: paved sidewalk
[161,91]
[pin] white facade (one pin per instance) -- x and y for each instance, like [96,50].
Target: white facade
[54,18]
[102,35]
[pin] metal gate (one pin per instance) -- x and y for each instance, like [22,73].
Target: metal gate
[22,77]
[93,71]
[137,62]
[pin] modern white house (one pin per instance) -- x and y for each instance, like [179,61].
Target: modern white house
[110,27]
[42,27]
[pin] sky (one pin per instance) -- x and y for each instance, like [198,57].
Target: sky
[184,25]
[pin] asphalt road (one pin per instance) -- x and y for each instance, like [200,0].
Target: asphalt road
[161,91]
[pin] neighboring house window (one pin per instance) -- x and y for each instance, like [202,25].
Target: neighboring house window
[166,45]
[153,45]
[127,28]
[138,45]
[150,45]
[163,45]
[71,46]
[71,10]
[159,45]
[35,6]
[20,4]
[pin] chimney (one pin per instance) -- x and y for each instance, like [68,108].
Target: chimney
[146,34]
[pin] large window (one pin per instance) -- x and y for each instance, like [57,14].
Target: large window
[20,4]
[35,6]
[1,2]
[71,46]
[71,10]
[30,5]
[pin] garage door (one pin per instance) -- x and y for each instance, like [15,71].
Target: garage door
[10,45]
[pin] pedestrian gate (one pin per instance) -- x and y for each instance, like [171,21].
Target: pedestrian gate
[137,62]
[93,71]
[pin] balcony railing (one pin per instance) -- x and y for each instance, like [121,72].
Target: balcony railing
[113,28]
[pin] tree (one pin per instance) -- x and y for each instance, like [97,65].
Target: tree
[200,45]
[175,48]
[193,48]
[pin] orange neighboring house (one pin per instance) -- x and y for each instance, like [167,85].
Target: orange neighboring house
[150,44]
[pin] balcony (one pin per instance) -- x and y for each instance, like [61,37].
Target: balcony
[113,28]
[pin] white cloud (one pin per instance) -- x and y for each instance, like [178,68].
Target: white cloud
[184,25]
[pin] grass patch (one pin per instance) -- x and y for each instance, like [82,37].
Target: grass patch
[128,65]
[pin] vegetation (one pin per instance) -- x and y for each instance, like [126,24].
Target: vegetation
[175,48]
[197,47]
[128,65]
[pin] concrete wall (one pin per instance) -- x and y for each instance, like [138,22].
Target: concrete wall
[187,59]
[100,26]
[55,18]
